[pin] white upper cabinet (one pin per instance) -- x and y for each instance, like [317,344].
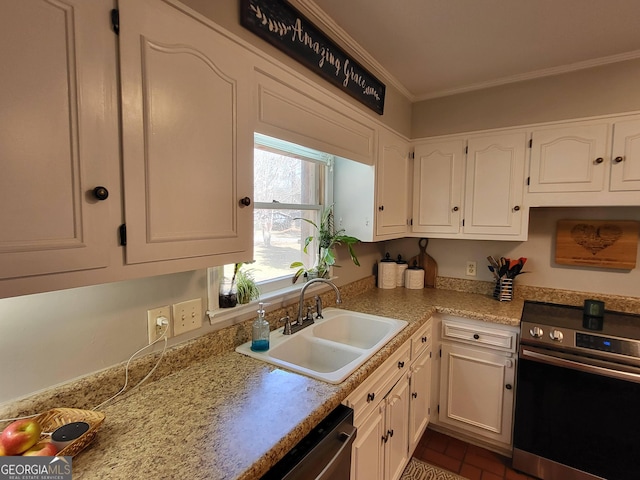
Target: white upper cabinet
[58,137]
[625,156]
[594,162]
[438,183]
[494,186]
[477,195]
[187,137]
[393,189]
[372,202]
[569,159]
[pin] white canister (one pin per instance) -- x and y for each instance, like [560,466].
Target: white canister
[401,266]
[387,273]
[414,278]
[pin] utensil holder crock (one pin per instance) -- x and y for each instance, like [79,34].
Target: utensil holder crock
[504,290]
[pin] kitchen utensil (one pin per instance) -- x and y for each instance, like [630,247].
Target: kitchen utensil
[428,263]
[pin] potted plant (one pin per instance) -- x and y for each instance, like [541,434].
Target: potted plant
[247,289]
[327,237]
[241,288]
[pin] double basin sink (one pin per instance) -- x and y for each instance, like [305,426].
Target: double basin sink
[332,348]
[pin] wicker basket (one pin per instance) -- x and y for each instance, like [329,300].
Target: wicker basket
[57,417]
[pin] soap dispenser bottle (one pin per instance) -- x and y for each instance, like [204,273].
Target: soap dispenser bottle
[260,332]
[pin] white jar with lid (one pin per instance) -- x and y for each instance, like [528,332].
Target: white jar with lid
[414,278]
[387,272]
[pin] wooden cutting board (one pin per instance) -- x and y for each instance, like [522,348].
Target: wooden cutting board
[597,243]
[425,261]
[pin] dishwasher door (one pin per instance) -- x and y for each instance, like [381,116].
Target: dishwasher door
[324,454]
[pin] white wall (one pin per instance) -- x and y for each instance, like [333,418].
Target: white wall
[50,338]
[452,255]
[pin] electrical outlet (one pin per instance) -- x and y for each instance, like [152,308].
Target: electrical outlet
[471,269]
[187,316]
[153,328]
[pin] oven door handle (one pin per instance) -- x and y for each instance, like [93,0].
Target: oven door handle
[577,364]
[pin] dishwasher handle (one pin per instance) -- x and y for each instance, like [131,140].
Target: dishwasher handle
[336,463]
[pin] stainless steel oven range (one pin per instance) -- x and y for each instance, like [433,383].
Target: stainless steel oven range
[577,412]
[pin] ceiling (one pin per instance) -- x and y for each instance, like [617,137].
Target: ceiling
[432,48]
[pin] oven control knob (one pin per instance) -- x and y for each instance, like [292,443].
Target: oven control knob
[536,332]
[556,335]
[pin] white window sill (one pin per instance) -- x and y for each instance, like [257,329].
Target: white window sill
[223,317]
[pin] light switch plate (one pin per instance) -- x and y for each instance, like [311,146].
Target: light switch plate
[187,316]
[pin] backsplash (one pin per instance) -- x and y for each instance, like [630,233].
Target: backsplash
[89,391]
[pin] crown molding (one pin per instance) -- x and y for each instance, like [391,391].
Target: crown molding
[545,72]
[320,18]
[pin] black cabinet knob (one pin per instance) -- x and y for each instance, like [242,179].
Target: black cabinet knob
[455,209]
[400,364]
[516,208]
[599,160]
[424,339]
[476,336]
[508,386]
[381,208]
[414,394]
[101,193]
[618,159]
[370,397]
[246,201]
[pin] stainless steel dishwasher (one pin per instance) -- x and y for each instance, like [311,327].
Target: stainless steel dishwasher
[324,454]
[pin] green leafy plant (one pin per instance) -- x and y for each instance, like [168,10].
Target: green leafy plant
[327,238]
[247,289]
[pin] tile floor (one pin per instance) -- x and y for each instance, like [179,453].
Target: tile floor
[468,460]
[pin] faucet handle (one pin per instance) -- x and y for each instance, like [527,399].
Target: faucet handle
[287,325]
[309,314]
[318,306]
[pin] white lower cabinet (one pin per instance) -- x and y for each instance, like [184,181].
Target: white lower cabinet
[419,410]
[391,411]
[477,375]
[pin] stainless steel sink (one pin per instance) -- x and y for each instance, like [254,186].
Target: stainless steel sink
[332,348]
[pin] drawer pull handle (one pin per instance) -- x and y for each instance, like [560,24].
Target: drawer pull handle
[370,397]
[414,394]
[508,386]
[476,336]
[424,339]
[400,364]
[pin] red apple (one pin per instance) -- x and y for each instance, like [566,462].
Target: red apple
[19,436]
[42,449]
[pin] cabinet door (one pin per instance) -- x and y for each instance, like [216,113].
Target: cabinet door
[569,159]
[495,185]
[367,454]
[625,158]
[476,392]
[420,399]
[187,136]
[438,181]
[58,136]
[393,188]
[397,422]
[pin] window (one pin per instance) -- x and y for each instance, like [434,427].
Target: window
[290,182]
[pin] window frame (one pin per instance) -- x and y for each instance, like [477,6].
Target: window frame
[280,290]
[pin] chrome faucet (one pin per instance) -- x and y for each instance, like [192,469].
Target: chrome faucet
[304,321]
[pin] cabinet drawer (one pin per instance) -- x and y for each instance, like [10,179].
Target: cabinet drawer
[421,340]
[368,395]
[485,336]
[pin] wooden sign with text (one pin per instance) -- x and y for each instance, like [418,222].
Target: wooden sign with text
[284,27]
[597,243]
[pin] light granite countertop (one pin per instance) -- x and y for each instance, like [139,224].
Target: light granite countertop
[232,417]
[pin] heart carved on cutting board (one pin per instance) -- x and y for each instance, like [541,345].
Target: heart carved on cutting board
[595,239]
